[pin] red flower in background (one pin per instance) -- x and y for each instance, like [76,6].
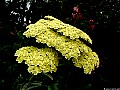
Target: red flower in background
[77,15]
[76,9]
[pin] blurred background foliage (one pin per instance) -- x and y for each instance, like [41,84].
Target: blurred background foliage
[17,14]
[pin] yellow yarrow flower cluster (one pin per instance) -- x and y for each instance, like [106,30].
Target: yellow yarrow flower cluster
[67,47]
[67,29]
[74,33]
[38,60]
[54,33]
[35,29]
[59,26]
[87,61]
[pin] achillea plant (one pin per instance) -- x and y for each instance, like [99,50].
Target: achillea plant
[64,38]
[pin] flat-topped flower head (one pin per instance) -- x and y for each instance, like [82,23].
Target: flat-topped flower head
[64,38]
